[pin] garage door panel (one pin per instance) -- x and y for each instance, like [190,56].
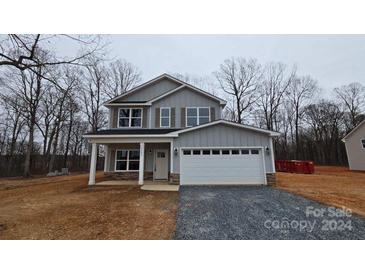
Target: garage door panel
[222,169]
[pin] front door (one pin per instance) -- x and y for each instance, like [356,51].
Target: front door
[161,164]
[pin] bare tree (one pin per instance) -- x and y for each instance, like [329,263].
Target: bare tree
[93,93]
[20,51]
[275,85]
[352,97]
[72,109]
[205,83]
[46,119]
[121,77]
[68,81]
[325,120]
[301,91]
[14,123]
[27,90]
[240,78]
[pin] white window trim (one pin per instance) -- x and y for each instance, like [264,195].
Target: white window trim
[130,118]
[127,161]
[165,117]
[197,115]
[362,144]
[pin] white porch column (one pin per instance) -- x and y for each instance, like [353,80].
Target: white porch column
[93,164]
[171,157]
[141,164]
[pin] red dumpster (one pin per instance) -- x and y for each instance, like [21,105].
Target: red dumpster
[293,166]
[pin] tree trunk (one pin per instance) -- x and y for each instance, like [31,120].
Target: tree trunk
[54,151]
[68,141]
[28,155]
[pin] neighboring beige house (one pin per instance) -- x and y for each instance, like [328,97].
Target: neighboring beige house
[355,147]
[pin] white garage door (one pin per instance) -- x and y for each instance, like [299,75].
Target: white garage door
[219,166]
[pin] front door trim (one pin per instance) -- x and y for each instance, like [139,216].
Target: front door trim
[166,151]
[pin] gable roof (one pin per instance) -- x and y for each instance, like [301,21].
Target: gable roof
[165,76]
[353,130]
[225,122]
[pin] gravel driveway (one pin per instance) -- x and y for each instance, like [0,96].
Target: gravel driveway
[235,212]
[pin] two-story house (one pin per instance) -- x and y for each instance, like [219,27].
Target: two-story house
[166,129]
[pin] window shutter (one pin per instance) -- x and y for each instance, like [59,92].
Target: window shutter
[157,118]
[115,122]
[144,117]
[183,117]
[212,114]
[172,117]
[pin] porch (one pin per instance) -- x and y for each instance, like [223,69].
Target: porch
[134,163]
[147,185]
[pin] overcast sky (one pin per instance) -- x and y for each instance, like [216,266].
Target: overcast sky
[331,59]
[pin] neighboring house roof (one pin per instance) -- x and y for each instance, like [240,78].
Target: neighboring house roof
[353,130]
[166,76]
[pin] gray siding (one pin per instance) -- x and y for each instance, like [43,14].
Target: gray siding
[355,152]
[222,136]
[181,99]
[150,91]
[185,98]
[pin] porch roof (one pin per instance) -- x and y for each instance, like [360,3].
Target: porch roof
[133,131]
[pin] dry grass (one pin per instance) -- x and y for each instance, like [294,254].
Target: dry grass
[335,186]
[66,208]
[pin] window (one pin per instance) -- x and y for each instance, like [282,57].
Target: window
[235,151]
[165,117]
[363,143]
[187,152]
[191,117]
[127,160]
[130,117]
[216,152]
[161,155]
[254,151]
[203,117]
[196,152]
[245,151]
[206,152]
[225,151]
[197,116]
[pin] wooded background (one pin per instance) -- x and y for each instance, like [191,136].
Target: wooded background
[48,102]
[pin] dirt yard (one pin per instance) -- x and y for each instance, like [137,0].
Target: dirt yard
[335,186]
[66,208]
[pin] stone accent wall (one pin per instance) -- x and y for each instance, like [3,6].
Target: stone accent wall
[148,175]
[174,178]
[121,175]
[271,178]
